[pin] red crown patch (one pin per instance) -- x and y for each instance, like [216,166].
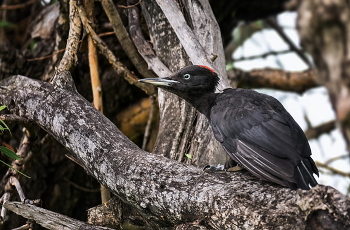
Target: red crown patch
[203,66]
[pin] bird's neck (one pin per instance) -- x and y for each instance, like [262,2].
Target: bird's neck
[203,103]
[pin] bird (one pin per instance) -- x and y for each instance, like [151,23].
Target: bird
[254,129]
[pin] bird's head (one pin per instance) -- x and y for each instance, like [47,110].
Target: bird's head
[191,81]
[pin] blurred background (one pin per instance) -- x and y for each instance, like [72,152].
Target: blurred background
[260,46]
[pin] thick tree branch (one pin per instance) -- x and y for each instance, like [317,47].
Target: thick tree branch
[273,78]
[169,192]
[315,132]
[48,219]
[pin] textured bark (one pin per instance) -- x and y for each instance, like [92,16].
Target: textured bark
[324,29]
[70,54]
[48,219]
[166,192]
[183,130]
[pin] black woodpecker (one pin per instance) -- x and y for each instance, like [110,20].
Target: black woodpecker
[255,129]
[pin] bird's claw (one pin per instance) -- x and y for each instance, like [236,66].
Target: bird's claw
[235,169]
[219,167]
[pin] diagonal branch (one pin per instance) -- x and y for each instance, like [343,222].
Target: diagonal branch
[49,219]
[18,6]
[118,66]
[188,39]
[143,47]
[285,38]
[169,192]
[125,40]
[332,169]
[315,132]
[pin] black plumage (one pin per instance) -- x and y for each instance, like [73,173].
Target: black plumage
[255,129]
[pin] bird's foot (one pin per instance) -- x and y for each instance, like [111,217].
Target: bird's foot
[235,168]
[219,167]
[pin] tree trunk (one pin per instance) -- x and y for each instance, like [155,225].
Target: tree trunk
[182,129]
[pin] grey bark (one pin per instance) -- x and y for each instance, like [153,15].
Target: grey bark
[164,191]
[185,130]
[48,219]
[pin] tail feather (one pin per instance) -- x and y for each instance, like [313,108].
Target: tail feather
[303,177]
[313,166]
[313,182]
[299,179]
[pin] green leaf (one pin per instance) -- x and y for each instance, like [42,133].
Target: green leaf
[2,129]
[188,156]
[14,169]
[6,24]
[8,152]
[32,45]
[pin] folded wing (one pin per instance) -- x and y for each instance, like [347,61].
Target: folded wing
[258,133]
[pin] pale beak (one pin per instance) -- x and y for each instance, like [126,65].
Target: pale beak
[158,81]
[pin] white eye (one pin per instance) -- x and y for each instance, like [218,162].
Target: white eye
[187,76]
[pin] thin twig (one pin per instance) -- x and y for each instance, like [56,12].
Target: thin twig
[333,170]
[126,7]
[118,66]
[18,6]
[82,188]
[10,179]
[93,62]
[336,158]
[264,55]
[149,123]
[124,39]
[57,52]
[95,80]
[25,154]
[75,160]
[136,34]
[3,199]
[28,225]
[16,119]
[292,46]
[14,182]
